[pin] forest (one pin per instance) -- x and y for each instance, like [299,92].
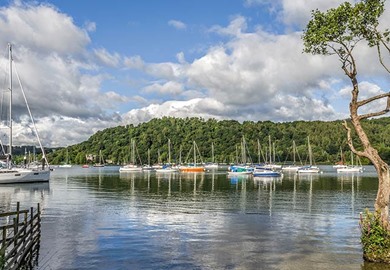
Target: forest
[327,141]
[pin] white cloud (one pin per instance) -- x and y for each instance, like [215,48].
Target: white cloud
[106,58]
[245,76]
[177,24]
[90,26]
[171,88]
[205,108]
[366,90]
[34,31]
[235,28]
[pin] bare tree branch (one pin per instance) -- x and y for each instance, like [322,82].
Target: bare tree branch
[380,56]
[350,143]
[368,100]
[369,115]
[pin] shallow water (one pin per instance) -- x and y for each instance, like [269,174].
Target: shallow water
[97,218]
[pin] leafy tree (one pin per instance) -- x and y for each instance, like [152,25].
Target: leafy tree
[337,32]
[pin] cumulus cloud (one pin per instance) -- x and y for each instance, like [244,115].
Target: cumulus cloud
[177,24]
[51,60]
[366,90]
[198,107]
[172,88]
[107,58]
[34,31]
[246,75]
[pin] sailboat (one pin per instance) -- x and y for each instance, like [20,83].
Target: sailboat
[132,166]
[293,167]
[168,168]
[271,164]
[351,168]
[243,168]
[212,165]
[66,164]
[100,163]
[193,167]
[309,168]
[148,167]
[9,173]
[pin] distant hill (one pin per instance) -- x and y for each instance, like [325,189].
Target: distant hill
[326,139]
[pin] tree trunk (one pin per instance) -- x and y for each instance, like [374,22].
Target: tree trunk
[382,168]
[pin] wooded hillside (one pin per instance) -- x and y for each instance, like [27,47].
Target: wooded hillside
[326,138]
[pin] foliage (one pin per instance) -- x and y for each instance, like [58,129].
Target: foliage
[375,237]
[326,138]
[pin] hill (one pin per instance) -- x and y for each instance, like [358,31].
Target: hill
[326,139]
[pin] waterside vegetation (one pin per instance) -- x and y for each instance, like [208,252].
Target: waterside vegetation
[326,139]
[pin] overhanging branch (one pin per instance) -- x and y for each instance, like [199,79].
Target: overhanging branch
[350,143]
[368,100]
[380,57]
[369,115]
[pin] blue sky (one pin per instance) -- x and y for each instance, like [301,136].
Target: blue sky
[89,65]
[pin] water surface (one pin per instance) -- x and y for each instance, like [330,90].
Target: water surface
[97,218]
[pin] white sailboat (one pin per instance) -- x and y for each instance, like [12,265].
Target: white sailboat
[132,166]
[309,168]
[293,167]
[66,164]
[351,168]
[168,168]
[241,168]
[212,165]
[9,173]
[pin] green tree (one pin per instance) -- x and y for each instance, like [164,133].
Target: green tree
[338,32]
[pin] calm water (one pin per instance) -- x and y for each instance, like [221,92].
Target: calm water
[97,219]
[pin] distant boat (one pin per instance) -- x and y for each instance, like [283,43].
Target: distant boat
[341,163]
[212,165]
[265,172]
[351,168]
[132,166]
[8,172]
[292,167]
[148,167]
[309,168]
[66,165]
[168,168]
[241,168]
[193,167]
[85,166]
[100,163]
[271,163]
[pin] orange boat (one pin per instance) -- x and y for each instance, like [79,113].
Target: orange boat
[192,168]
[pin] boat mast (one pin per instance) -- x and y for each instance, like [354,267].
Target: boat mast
[194,153]
[212,152]
[270,149]
[294,147]
[169,151]
[310,153]
[10,105]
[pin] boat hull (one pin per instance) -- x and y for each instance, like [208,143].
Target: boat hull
[192,169]
[23,176]
[350,170]
[130,169]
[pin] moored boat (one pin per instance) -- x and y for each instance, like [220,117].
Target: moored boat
[266,172]
[9,173]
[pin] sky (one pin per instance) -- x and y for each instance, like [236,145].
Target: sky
[90,65]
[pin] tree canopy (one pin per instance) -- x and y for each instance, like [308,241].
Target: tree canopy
[326,138]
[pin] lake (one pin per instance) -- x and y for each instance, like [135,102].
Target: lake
[96,218]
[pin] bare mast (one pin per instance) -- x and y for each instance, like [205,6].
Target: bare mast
[9,158]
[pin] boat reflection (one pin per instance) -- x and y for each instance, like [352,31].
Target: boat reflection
[235,179]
